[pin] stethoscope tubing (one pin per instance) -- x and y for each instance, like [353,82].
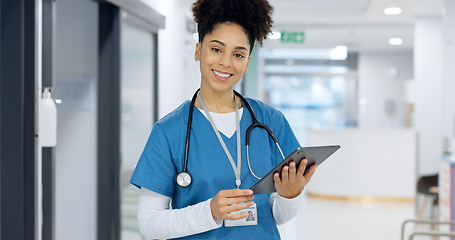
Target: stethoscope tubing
[184,179]
[188,131]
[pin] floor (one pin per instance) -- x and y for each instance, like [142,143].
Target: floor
[318,219]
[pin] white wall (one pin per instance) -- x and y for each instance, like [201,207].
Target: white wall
[382,77]
[178,72]
[449,69]
[76,162]
[428,73]
[368,164]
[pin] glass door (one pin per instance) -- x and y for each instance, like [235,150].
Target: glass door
[138,90]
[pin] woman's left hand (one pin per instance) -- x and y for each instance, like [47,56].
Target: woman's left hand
[292,180]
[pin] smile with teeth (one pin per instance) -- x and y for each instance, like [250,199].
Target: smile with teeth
[221,75]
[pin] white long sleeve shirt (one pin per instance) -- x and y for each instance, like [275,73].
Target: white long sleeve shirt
[157,221]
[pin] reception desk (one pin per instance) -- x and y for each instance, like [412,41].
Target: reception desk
[371,165]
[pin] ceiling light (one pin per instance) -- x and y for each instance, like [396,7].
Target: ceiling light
[274,35]
[395,41]
[339,53]
[392,11]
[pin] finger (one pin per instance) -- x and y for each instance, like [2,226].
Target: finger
[234,193]
[302,166]
[292,171]
[237,200]
[228,197]
[240,206]
[310,172]
[276,178]
[232,216]
[285,174]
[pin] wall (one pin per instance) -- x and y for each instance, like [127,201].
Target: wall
[76,163]
[382,77]
[178,73]
[449,70]
[428,72]
[368,164]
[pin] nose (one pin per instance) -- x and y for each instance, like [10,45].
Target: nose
[225,60]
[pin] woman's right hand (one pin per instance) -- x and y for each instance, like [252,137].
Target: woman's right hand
[227,201]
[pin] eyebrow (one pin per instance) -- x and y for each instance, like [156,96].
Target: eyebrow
[223,44]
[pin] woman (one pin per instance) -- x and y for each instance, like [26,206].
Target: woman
[218,201]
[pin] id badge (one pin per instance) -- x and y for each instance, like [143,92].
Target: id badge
[252,218]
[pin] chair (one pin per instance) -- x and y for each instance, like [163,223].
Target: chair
[428,186]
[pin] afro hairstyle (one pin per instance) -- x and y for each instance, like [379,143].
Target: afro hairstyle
[254,16]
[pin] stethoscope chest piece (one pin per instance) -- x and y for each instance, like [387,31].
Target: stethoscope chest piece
[184,179]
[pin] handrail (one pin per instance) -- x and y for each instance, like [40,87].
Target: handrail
[426,221]
[432,233]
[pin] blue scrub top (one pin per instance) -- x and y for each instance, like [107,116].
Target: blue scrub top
[163,158]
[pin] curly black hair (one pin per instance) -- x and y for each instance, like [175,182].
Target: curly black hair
[253,15]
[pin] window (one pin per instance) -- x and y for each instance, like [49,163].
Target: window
[313,89]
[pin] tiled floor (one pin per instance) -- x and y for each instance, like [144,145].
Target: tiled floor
[318,219]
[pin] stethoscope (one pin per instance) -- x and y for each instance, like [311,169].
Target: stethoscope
[184,178]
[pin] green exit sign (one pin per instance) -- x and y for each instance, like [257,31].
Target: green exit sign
[292,37]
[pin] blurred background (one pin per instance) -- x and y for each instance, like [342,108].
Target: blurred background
[374,76]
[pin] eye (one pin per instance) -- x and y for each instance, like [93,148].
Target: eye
[238,55]
[217,50]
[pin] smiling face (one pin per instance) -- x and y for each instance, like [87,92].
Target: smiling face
[224,56]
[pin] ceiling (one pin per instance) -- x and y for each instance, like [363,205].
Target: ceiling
[361,25]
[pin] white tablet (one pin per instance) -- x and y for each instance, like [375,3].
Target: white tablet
[314,155]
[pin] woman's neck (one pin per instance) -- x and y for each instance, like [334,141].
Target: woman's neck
[219,102]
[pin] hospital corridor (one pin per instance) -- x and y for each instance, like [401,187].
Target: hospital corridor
[178,119]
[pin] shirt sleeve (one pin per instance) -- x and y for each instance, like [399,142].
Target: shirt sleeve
[155,169]
[284,209]
[157,221]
